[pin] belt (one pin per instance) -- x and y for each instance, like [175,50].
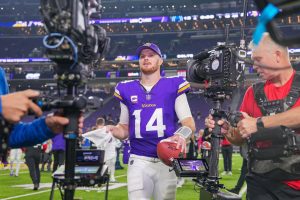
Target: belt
[150,159]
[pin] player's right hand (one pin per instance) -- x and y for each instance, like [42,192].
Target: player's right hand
[16,105]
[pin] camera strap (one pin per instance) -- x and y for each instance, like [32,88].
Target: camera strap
[273,107]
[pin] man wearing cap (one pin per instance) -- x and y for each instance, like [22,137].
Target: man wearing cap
[150,110]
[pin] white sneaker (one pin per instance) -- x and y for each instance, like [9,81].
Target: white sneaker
[224,173]
[180,182]
[113,181]
[229,173]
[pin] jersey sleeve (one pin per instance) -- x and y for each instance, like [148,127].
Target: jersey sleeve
[118,94]
[183,86]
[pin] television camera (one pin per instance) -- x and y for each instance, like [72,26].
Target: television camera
[73,43]
[76,46]
[222,68]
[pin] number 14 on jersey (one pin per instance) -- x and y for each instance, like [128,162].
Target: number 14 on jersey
[157,117]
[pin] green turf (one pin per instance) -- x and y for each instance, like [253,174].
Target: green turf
[188,192]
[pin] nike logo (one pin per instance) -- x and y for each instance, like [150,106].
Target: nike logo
[171,169]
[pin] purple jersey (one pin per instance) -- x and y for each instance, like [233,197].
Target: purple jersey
[152,115]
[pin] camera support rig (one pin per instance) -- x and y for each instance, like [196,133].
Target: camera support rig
[75,46]
[223,67]
[216,137]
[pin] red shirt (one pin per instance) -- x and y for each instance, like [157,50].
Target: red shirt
[272,92]
[225,142]
[200,141]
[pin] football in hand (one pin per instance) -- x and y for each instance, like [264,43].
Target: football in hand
[166,151]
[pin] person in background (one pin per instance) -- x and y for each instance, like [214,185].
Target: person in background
[119,145]
[111,155]
[199,141]
[227,150]
[47,155]
[58,150]
[206,145]
[15,156]
[33,159]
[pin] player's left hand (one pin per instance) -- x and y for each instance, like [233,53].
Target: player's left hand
[247,126]
[181,142]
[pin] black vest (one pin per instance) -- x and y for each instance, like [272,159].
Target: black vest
[276,161]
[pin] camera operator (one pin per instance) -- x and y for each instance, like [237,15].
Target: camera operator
[15,105]
[273,65]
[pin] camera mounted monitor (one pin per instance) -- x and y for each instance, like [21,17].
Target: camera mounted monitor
[190,167]
[89,161]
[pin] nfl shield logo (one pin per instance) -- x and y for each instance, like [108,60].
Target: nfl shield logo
[134,99]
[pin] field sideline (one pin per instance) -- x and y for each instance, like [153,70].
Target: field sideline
[21,187]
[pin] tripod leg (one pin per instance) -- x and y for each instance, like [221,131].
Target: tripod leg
[52,189]
[107,183]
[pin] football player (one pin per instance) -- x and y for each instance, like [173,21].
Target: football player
[150,110]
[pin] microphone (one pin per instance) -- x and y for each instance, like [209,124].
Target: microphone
[202,55]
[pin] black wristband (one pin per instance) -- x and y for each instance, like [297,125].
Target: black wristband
[259,123]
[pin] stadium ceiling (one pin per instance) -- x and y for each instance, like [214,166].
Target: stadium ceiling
[168,1]
[37,2]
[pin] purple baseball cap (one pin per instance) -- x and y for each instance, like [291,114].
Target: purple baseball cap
[151,46]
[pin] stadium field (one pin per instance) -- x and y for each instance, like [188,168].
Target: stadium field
[21,187]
